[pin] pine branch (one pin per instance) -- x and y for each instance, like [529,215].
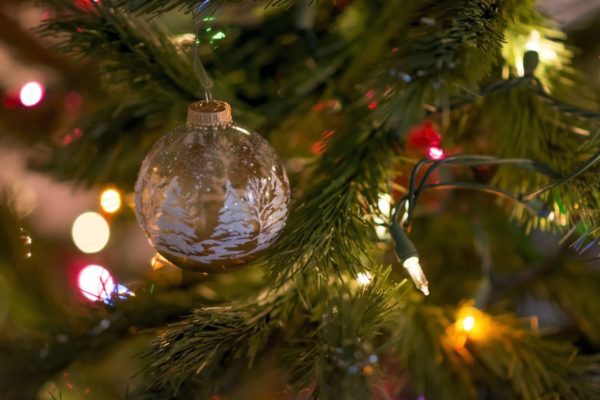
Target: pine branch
[339,357]
[436,370]
[499,350]
[157,7]
[536,367]
[574,285]
[356,163]
[48,334]
[130,52]
[199,347]
[118,134]
[148,86]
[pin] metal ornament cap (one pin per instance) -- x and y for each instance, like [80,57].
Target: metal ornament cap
[209,113]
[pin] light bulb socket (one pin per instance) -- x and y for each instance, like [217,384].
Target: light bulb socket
[531,59]
[405,248]
[209,113]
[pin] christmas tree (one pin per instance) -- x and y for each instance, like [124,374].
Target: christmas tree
[439,241]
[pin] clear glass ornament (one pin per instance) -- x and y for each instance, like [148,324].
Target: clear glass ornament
[212,195]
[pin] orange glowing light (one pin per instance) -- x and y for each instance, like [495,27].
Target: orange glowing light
[472,323]
[110,200]
[468,323]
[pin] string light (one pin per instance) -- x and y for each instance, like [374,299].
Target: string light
[90,232]
[96,283]
[110,200]
[413,267]
[384,203]
[472,323]
[363,278]
[435,153]
[468,323]
[547,50]
[534,43]
[31,94]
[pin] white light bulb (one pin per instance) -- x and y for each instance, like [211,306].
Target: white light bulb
[384,203]
[416,273]
[533,44]
[363,278]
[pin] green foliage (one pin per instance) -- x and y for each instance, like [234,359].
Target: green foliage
[157,7]
[535,367]
[213,337]
[574,285]
[339,357]
[328,336]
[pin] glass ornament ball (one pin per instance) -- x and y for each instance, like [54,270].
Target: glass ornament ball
[212,195]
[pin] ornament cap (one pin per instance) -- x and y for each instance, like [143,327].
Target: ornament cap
[209,113]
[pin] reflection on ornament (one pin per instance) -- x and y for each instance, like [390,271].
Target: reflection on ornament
[157,262]
[31,94]
[435,153]
[90,232]
[212,195]
[96,283]
[110,200]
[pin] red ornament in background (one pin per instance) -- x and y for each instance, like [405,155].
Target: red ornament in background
[86,5]
[424,136]
[484,173]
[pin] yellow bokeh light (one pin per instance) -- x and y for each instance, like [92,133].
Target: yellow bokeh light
[468,323]
[110,200]
[472,323]
[90,232]
[549,44]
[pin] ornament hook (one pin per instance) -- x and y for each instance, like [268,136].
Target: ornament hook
[201,73]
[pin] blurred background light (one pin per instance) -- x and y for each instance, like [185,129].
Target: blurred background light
[31,94]
[110,200]
[96,283]
[90,232]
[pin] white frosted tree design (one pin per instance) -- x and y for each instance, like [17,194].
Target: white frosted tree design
[267,206]
[174,229]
